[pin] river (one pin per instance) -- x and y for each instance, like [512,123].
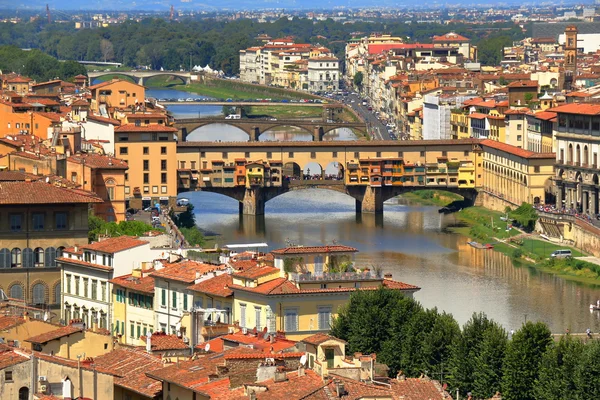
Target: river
[411,242]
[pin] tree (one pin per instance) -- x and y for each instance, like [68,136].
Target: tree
[487,371]
[98,226]
[525,215]
[358,79]
[558,367]
[193,236]
[186,219]
[522,360]
[587,372]
[107,50]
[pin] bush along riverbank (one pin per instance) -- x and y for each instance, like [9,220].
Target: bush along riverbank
[500,230]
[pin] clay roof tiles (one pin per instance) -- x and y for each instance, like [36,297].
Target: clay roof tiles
[8,358]
[37,192]
[577,108]
[515,150]
[217,286]
[95,160]
[139,284]
[148,128]
[255,272]
[315,249]
[115,244]
[55,334]
[319,338]
[186,271]
[160,341]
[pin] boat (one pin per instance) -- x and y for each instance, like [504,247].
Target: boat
[480,246]
[594,307]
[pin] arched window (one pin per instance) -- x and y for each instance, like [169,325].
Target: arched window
[39,293]
[38,257]
[586,158]
[27,258]
[4,258]
[57,293]
[110,189]
[578,155]
[59,251]
[570,153]
[15,258]
[16,291]
[24,393]
[50,257]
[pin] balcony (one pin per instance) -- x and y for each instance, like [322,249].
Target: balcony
[336,276]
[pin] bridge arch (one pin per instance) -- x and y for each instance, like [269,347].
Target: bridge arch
[183,79]
[313,170]
[237,134]
[292,171]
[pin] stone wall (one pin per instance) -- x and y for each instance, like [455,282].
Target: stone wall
[586,240]
[494,203]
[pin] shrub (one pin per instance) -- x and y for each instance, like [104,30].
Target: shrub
[517,253]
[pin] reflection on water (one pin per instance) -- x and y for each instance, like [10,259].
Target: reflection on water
[410,243]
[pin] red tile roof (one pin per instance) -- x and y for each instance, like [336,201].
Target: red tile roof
[9,321]
[545,115]
[515,150]
[55,334]
[104,120]
[148,128]
[38,192]
[417,389]
[315,249]
[240,355]
[161,341]
[131,365]
[577,108]
[217,286]
[142,284]
[18,79]
[257,341]
[115,244]
[478,115]
[295,387]
[186,271]
[8,357]
[256,272]
[75,261]
[96,160]
[319,338]
[517,84]
[450,37]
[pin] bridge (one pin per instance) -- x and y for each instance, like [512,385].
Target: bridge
[371,172]
[139,76]
[242,103]
[254,127]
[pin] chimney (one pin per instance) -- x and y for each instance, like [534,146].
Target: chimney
[280,376]
[149,343]
[75,248]
[341,390]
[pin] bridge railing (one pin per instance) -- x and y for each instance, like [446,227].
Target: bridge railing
[335,276]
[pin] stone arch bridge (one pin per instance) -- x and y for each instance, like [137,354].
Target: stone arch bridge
[140,76]
[254,127]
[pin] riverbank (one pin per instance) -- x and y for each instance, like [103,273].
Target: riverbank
[487,226]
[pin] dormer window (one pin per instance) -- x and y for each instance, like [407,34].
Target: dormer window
[87,256]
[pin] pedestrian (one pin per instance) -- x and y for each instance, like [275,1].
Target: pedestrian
[512,332]
[568,331]
[589,332]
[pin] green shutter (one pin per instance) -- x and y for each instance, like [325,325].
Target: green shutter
[174,305]
[185,300]
[139,331]
[164,298]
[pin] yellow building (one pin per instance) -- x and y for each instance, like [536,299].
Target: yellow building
[151,154]
[116,94]
[37,221]
[517,175]
[459,123]
[71,341]
[133,307]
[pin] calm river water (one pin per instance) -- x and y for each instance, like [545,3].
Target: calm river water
[411,242]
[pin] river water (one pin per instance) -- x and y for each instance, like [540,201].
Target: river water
[411,242]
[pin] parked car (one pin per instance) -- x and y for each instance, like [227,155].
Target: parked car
[563,253]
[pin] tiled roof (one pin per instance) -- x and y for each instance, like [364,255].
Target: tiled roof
[143,284]
[242,265]
[295,387]
[319,338]
[55,334]
[256,272]
[515,150]
[37,192]
[18,79]
[8,358]
[131,365]
[518,84]
[161,341]
[54,117]
[9,321]
[315,249]
[217,286]
[391,284]
[257,341]
[577,108]
[545,115]
[272,287]
[478,115]
[517,111]
[417,389]
[147,128]
[102,119]
[81,263]
[80,102]
[186,271]
[8,176]
[115,244]
[96,160]
[451,37]
[258,355]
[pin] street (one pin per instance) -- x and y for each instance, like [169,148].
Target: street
[374,125]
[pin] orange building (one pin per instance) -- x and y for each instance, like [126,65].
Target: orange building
[18,117]
[116,94]
[151,153]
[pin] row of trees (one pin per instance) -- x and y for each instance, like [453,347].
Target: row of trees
[172,45]
[480,358]
[37,65]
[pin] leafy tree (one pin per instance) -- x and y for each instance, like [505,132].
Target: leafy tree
[193,236]
[521,362]
[558,368]
[587,372]
[98,226]
[358,79]
[186,219]
[437,344]
[525,215]
[487,372]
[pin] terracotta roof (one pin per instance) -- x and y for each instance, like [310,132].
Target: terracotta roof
[517,111]
[96,160]
[257,341]
[84,263]
[108,83]
[104,120]
[143,284]
[147,128]
[478,115]
[7,322]
[417,389]
[8,357]
[55,334]
[315,249]
[577,108]
[258,355]
[295,387]
[186,271]
[451,37]
[37,192]
[54,117]
[256,272]
[319,338]
[18,79]
[217,286]
[391,284]
[7,176]
[80,102]
[161,341]
[518,84]
[115,244]
[515,150]
[545,115]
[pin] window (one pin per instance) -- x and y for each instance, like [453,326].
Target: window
[154,189]
[146,165]
[103,290]
[139,331]
[38,221]
[185,302]
[16,292]
[146,150]
[163,150]
[39,294]
[146,178]
[313,154]
[16,222]
[163,165]
[422,154]
[202,154]
[324,317]
[163,177]
[291,154]
[247,154]
[224,155]
[334,154]
[15,258]
[536,168]
[77,285]
[8,376]
[85,287]
[94,289]
[68,282]
[290,319]
[243,315]
[60,220]
[174,300]
[257,317]
[193,164]
[466,153]
[269,155]
[124,150]
[131,330]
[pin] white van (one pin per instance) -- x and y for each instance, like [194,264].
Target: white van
[233,116]
[562,254]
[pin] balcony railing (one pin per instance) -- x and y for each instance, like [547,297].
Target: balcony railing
[336,276]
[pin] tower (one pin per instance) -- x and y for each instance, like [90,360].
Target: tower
[571,49]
